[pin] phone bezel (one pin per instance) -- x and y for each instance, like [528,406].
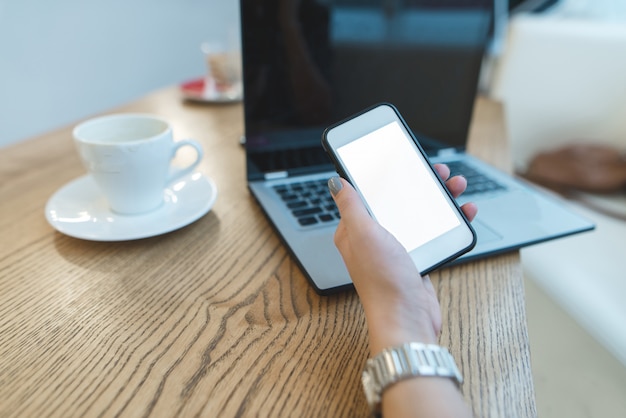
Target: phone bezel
[439,250]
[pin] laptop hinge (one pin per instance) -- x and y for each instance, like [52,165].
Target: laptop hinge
[276,175]
[446,152]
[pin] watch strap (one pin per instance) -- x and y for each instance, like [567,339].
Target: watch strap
[403,362]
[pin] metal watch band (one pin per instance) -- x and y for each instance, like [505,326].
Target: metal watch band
[406,361]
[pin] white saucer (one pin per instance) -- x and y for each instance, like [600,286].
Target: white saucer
[79,210]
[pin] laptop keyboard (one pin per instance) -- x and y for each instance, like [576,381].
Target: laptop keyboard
[311,204]
[477,182]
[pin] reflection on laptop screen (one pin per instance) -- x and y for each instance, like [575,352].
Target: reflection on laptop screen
[308,67]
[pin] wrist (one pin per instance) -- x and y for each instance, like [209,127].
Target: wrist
[393,373]
[389,328]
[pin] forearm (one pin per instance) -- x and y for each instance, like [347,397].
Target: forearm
[424,397]
[393,324]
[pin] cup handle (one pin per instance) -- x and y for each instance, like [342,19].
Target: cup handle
[175,172]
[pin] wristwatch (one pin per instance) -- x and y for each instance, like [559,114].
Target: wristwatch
[403,362]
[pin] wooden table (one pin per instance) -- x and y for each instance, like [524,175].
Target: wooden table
[215,319]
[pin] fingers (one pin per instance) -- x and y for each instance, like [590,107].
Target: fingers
[456,185]
[470,210]
[443,171]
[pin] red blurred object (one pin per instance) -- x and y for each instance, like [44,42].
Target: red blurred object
[206,90]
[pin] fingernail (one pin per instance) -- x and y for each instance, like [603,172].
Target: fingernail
[334,184]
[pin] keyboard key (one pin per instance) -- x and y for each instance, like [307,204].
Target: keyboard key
[309,220]
[290,196]
[304,212]
[297,204]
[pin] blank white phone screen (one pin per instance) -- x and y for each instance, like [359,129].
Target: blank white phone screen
[402,195]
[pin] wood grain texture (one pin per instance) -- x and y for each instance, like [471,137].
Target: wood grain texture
[214,319]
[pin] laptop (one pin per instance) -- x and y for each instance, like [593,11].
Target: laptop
[307,67]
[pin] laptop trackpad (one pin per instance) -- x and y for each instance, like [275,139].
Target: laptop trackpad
[484,233]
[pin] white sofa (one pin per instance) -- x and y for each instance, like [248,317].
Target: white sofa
[563,80]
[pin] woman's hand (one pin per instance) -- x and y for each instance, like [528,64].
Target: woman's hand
[400,305]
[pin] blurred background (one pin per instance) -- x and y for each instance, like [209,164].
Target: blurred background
[561,76]
[64,60]
[558,67]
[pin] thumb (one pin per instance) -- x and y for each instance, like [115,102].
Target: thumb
[348,201]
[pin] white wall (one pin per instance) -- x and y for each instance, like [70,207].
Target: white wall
[63,60]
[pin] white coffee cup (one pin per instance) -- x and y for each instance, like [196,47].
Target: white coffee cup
[130,158]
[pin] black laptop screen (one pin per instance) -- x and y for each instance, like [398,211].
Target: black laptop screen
[310,63]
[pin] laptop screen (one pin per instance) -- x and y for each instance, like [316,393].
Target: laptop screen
[310,63]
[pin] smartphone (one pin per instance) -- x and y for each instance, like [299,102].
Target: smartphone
[378,154]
